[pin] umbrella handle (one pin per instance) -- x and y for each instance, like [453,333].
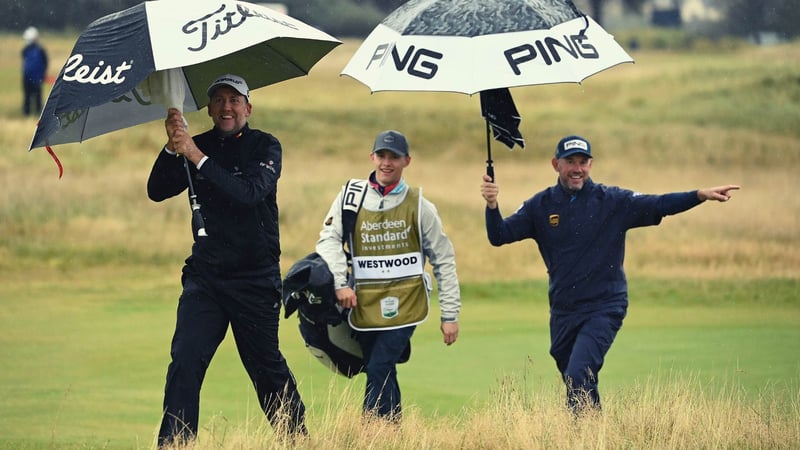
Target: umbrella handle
[489,162]
[198,224]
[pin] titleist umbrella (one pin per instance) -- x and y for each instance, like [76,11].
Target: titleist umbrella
[128,66]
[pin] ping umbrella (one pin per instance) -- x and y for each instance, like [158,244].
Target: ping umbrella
[484,46]
[125,68]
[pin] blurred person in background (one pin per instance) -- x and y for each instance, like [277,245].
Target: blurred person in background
[34,69]
[580,229]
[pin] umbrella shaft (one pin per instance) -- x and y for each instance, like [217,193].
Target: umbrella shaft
[198,224]
[189,178]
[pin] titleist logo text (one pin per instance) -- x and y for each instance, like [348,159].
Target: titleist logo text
[74,70]
[222,22]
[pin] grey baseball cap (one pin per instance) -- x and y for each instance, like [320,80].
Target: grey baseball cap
[393,141]
[234,81]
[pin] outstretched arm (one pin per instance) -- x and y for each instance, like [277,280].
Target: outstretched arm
[719,193]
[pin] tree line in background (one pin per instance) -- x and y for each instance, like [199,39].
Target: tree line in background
[356,18]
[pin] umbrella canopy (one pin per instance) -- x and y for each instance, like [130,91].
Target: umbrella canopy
[467,46]
[127,67]
[484,46]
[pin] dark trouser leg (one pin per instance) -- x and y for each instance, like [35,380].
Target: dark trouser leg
[38,99]
[31,97]
[254,306]
[579,344]
[201,326]
[382,351]
[26,97]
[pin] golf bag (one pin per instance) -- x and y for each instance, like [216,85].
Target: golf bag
[308,289]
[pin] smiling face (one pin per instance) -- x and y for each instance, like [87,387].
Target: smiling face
[573,171]
[229,110]
[388,166]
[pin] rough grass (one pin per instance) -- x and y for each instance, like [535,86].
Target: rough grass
[671,121]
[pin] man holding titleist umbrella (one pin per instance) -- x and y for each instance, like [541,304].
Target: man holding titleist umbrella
[233,274]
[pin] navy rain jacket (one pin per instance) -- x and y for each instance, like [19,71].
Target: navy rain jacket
[582,238]
[237,191]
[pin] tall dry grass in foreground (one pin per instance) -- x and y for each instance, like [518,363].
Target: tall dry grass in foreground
[659,414]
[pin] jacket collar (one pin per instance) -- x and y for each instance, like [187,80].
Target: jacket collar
[393,189]
[232,137]
[567,195]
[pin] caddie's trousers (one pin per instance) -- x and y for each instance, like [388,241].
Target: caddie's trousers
[382,351]
[579,343]
[251,305]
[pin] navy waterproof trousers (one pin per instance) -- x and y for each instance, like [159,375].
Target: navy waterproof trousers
[251,305]
[382,351]
[579,343]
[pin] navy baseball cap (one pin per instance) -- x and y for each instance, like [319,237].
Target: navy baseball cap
[571,145]
[393,141]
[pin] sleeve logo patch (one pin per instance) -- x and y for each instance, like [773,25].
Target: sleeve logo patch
[270,165]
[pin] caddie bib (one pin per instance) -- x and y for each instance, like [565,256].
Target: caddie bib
[388,267]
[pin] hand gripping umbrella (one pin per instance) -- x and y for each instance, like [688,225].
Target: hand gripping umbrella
[125,68]
[167,88]
[484,46]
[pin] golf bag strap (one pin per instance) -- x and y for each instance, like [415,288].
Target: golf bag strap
[353,198]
